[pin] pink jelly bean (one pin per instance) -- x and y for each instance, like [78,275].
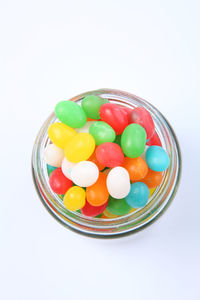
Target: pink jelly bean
[142,117]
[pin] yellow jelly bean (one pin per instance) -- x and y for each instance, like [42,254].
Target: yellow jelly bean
[132,210]
[151,191]
[109,214]
[74,199]
[80,147]
[61,134]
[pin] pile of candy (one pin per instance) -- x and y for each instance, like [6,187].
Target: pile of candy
[104,159]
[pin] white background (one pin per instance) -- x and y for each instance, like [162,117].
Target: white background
[51,51]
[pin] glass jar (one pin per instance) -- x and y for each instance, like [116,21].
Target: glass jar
[132,222]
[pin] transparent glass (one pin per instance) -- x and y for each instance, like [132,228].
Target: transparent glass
[122,225]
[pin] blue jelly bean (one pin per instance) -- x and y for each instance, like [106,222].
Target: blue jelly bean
[157,158]
[138,195]
[50,169]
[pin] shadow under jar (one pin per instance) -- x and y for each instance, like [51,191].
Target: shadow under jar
[130,223]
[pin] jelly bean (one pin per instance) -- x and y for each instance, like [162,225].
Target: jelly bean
[110,155]
[50,169]
[136,167]
[157,158]
[118,183]
[74,199]
[53,155]
[153,178]
[141,116]
[97,194]
[151,191]
[93,211]
[128,112]
[85,173]
[102,132]
[71,114]
[86,127]
[133,140]
[138,195]
[114,116]
[80,147]
[118,139]
[118,206]
[66,167]
[154,140]
[60,134]
[58,182]
[94,159]
[91,105]
[106,171]
[109,215]
[144,153]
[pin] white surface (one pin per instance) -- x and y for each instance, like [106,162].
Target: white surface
[53,50]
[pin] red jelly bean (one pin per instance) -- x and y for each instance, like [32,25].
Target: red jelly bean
[142,117]
[93,211]
[114,116]
[154,140]
[58,182]
[128,112]
[110,155]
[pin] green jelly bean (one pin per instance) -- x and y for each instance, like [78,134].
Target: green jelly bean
[91,105]
[118,206]
[102,132]
[118,140]
[71,114]
[50,169]
[133,140]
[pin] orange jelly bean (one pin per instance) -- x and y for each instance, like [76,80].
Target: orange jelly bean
[94,159]
[153,179]
[97,194]
[136,167]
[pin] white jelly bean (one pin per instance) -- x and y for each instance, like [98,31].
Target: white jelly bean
[53,155]
[85,173]
[118,183]
[86,127]
[67,167]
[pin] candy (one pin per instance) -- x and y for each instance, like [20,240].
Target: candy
[80,147]
[136,167]
[86,127]
[53,155]
[50,169]
[114,116]
[94,159]
[71,114]
[138,195]
[85,173]
[142,117]
[118,206]
[154,140]
[133,140]
[157,158]
[74,199]
[93,211]
[91,105]
[153,178]
[118,183]
[118,139]
[107,214]
[60,134]
[66,167]
[110,155]
[58,182]
[102,132]
[128,112]
[151,191]
[97,194]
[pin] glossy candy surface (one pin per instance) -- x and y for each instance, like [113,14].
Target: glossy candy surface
[154,140]
[60,134]
[118,182]
[157,158]
[102,132]
[50,169]
[153,178]
[91,105]
[58,182]
[74,199]
[133,140]
[97,194]
[118,206]
[110,155]
[141,116]
[94,159]
[114,116]
[66,167]
[84,173]
[136,167]
[53,155]
[86,127]
[71,114]
[93,211]
[138,196]
[80,147]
